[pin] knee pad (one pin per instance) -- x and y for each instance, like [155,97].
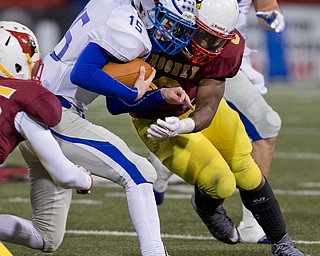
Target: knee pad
[270,125]
[220,187]
[249,175]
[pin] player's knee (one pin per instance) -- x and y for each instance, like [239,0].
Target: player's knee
[250,178]
[271,124]
[222,187]
[147,170]
[226,187]
[274,121]
[52,241]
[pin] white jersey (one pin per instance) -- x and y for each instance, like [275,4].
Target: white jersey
[244,7]
[242,24]
[253,75]
[112,24]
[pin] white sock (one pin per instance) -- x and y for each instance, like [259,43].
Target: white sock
[144,215]
[163,174]
[17,230]
[247,217]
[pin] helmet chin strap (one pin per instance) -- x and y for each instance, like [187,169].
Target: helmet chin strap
[29,59]
[5,71]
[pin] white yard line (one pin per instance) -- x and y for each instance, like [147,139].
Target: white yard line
[187,237]
[297,156]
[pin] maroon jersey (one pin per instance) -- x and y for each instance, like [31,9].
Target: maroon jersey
[173,71]
[28,96]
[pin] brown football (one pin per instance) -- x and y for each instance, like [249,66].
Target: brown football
[127,73]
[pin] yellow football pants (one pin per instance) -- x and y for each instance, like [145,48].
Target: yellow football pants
[216,159]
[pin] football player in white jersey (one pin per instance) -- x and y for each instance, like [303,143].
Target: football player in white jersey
[244,94]
[110,30]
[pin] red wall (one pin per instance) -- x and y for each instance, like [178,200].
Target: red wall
[300,1]
[33,3]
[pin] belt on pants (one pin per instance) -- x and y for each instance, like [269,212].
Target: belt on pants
[66,104]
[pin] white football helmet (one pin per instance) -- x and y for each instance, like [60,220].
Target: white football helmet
[216,23]
[171,23]
[19,52]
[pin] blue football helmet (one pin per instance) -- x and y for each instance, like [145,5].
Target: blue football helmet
[171,23]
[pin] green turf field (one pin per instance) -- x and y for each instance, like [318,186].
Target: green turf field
[99,224]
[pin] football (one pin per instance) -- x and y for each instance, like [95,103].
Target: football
[127,73]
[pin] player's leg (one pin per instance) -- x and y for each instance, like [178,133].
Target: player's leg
[264,206]
[107,156]
[17,230]
[50,206]
[197,161]
[255,191]
[262,125]
[163,176]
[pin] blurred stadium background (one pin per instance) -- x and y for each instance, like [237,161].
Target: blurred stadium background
[99,224]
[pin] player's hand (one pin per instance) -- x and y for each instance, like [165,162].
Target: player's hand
[143,84]
[274,19]
[164,129]
[176,95]
[88,173]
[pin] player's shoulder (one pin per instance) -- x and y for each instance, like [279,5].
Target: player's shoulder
[126,37]
[228,62]
[235,48]
[21,88]
[16,84]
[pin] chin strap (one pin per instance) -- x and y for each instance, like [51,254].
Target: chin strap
[5,71]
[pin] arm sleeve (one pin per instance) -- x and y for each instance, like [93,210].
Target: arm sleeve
[118,106]
[63,172]
[87,73]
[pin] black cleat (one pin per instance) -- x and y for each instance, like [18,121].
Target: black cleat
[218,223]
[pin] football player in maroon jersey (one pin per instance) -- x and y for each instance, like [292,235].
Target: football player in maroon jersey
[209,147]
[27,110]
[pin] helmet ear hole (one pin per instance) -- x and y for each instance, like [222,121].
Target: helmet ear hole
[18,68]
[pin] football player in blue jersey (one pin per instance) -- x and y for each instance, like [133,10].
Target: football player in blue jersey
[104,31]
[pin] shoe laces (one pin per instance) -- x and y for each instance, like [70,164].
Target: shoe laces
[287,249]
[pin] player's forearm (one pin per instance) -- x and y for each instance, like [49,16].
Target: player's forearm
[264,5]
[87,74]
[151,99]
[203,117]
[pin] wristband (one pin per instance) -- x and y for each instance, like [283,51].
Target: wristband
[187,125]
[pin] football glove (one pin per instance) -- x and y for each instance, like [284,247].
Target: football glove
[274,19]
[164,129]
